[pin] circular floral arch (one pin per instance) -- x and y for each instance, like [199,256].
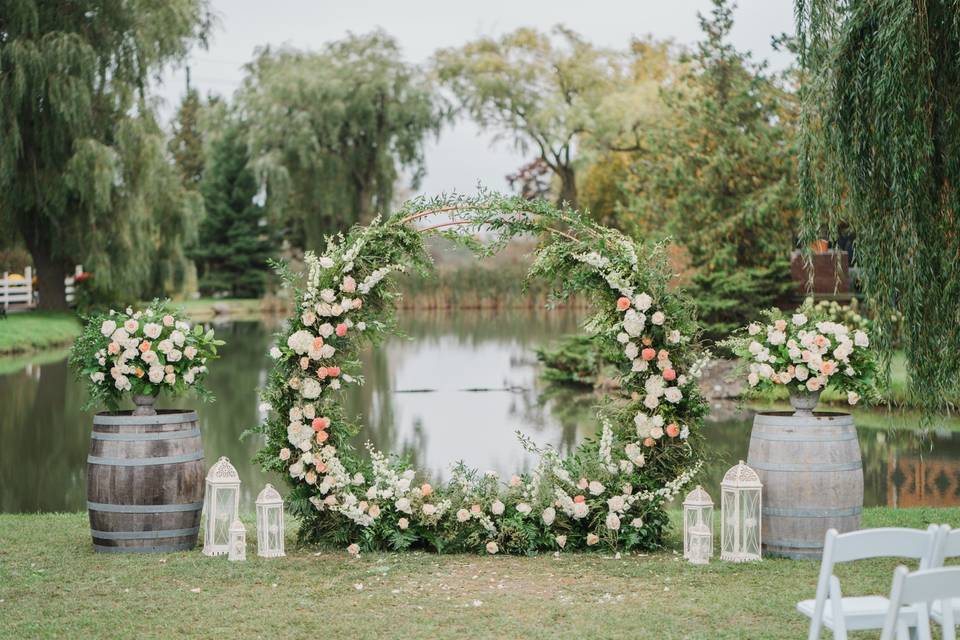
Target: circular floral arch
[611,491]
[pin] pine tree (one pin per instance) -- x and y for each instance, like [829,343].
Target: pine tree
[234,243]
[186,143]
[83,169]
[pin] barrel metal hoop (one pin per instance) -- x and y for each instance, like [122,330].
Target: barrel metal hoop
[144,508]
[799,544]
[139,421]
[144,535]
[800,437]
[152,435]
[813,513]
[143,462]
[166,548]
[813,466]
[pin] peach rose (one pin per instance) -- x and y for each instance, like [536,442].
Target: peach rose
[321,467]
[648,354]
[284,454]
[113,348]
[374,511]
[663,355]
[780,325]
[349,284]
[673,430]
[669,374]
[649,442]
[646,341]
[144,346]
[341,329]
[623,304]
[321,423]
[426,489]
[333,372]
[476,508]
[139,372]
[827,367]
[579,499]
[321,372]
[322,437]
[317,344]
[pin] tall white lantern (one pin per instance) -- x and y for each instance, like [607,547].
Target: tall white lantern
[238,542]
[740,507]
[270,523]
[697,510]
[221,503]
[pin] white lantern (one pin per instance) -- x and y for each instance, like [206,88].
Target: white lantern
[269,523]
[740,506]
[221,503]
[238,542]
[701,544]
[697,510]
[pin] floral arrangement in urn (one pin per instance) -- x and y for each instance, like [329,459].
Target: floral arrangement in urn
[143,353]
[805,352]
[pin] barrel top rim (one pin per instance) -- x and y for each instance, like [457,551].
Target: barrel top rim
[816,414]
[126,417]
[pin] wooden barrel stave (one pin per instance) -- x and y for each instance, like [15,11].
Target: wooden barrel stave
[145,482]
[813,480]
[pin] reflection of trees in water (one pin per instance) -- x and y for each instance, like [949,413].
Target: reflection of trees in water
[914,469]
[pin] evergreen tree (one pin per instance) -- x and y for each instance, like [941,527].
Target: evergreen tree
[720,175]
[186,143]
[83,170]
[234,243]
[881,158]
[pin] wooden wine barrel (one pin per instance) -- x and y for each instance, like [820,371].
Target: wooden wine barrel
[145,482]
[812,478]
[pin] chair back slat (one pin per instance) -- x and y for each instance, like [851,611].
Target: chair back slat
[888,542]
[951,548]
[921,587]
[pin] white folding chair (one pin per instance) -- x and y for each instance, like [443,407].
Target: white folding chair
[949,548]
[832,610]
[920,588]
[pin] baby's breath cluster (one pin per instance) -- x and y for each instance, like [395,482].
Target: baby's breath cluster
[611,492]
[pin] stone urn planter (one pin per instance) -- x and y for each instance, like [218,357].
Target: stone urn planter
[809,463]
[145,480]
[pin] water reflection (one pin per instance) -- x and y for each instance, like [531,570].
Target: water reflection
[458,387]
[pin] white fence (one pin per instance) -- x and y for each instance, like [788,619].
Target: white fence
[16,289]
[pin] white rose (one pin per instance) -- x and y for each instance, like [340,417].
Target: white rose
[631,350]
[549,515]
[275,353]
[673,394]
[860,339]
[853,397]
[328,295]
[152,330]
[178,338]
[633,323]
[613,522]
[753,329]
[155,374]
[325,330]
[429,509]
[310,388]
[595,487]
[463,515]
[97,376]
[131,326]
[170,378]
[753,379]
[658,318]
[637,523]
[403,523]
[523,508]
[801,373]
[108,327]
[776,337]
[616,503]
[326,262]
[403,504]
[492,547]
[300,341]
[190,352]
[755,347]
[642,302]
[674,336]
[497,508]
[799,319]
[623,338]
[580,510]
[174,355]
[656,432]
[122,383]
[651,401]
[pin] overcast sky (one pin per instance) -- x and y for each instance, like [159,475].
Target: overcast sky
[463,155]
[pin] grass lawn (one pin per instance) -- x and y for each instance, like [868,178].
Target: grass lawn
[53,585]
[32,330]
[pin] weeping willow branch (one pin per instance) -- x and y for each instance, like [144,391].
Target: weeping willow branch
[880,160]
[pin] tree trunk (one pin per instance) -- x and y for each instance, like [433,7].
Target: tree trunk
[50,274]
[568,187]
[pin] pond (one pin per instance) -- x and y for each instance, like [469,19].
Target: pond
[457,387]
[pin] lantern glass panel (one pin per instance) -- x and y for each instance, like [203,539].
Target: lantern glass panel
[273,529]
[750,510]
[730,524]
[225,502]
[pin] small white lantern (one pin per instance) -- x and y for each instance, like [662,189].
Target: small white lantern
[221,502]
[740,506]
[697,510]
[701,544]
[270,523]
[238,542]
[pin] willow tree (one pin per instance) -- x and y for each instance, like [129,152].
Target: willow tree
[331,131]
[881,158]
[83,166]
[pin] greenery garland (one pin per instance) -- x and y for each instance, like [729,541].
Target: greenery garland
[610,492]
